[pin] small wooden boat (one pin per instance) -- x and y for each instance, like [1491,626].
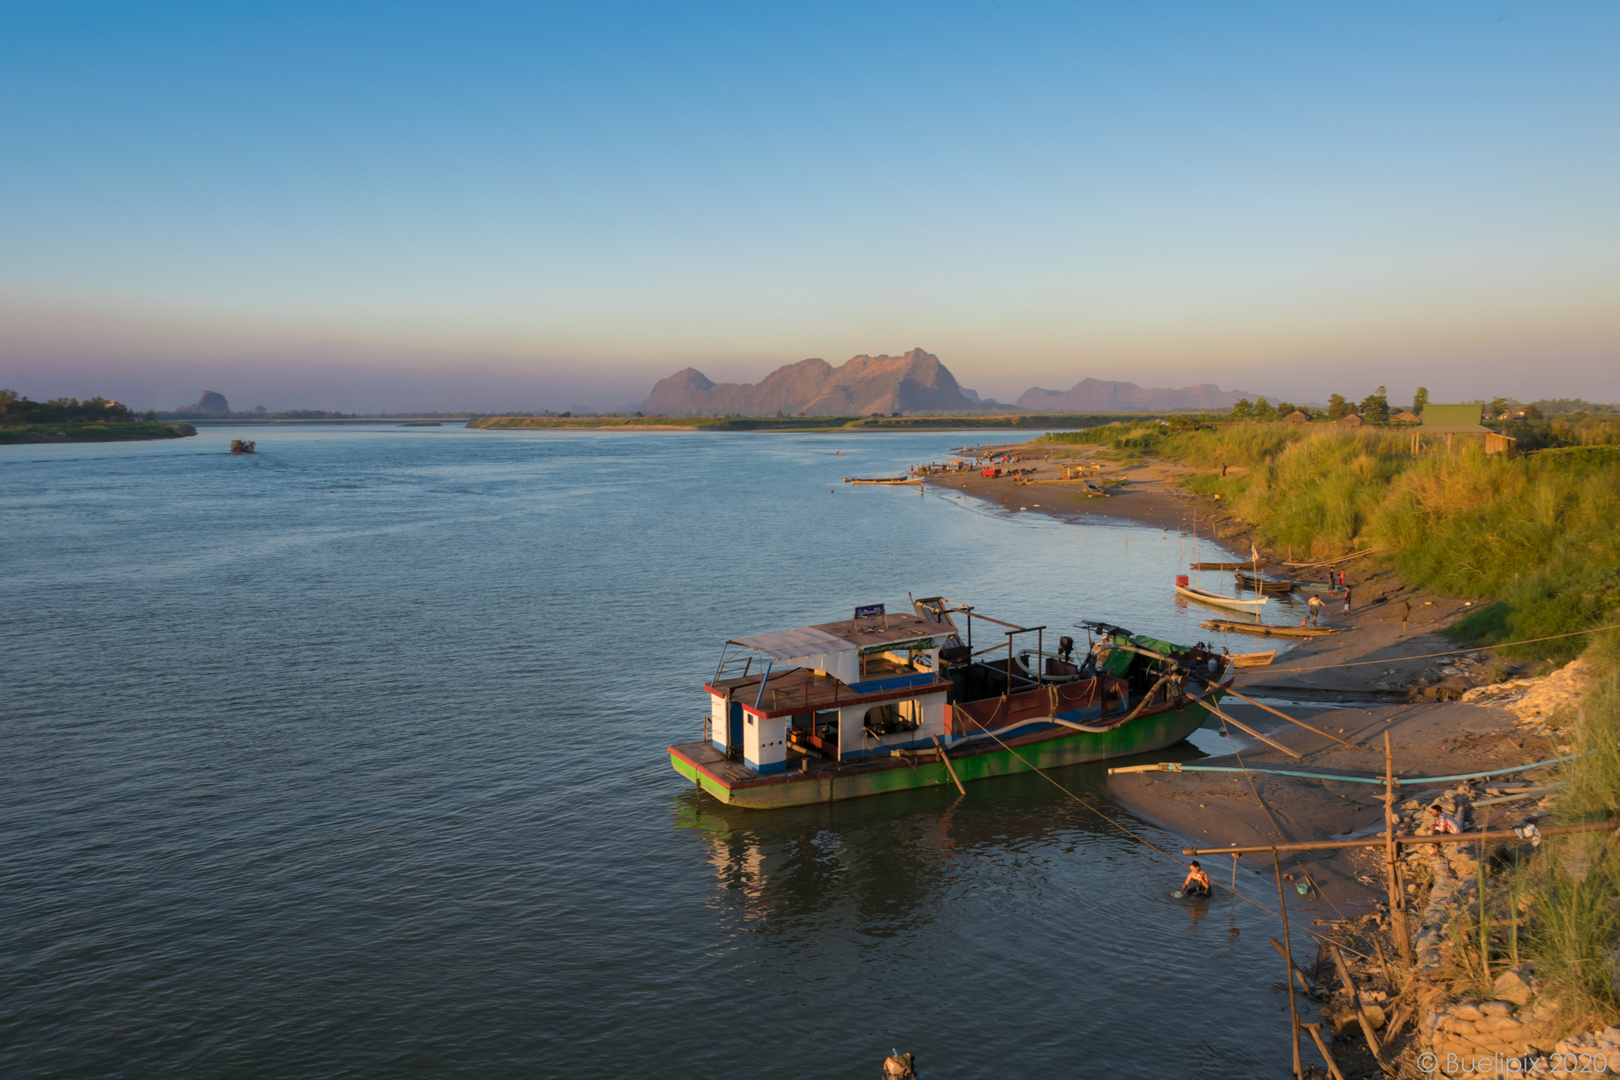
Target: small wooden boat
[242,446]
[880,480]
[1223,626]
[1218,600]
[1251,659]
[1254,583]
[1254,565]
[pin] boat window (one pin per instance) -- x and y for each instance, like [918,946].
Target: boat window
[893,717]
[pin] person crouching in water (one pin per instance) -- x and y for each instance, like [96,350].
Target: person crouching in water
[1197,883]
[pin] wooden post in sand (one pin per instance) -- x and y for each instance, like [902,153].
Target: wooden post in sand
[1397,898]
[1288,975]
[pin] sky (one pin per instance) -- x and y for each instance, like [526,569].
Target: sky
[522,206]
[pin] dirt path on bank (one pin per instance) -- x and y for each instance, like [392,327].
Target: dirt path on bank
[1378,675]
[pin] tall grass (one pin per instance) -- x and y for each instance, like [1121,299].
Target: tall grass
[1572,925]
[1533,534]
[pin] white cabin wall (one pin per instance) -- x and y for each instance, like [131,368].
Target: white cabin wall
[852,737]
[718,729]
[764,742]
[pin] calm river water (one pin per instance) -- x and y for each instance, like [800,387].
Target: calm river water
[347,760]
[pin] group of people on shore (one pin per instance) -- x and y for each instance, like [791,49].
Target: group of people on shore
[1315,605]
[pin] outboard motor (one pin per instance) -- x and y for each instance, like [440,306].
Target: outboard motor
[1066,649]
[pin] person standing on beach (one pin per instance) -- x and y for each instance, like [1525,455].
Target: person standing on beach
[1315,605]
[1406,614]
[1346,597]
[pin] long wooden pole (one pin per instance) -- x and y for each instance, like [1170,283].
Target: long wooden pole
[1291,720]
[1361,1013]
[1288,976]
[1397,897]
[1246,728]
[1304,983]
[1333,1066]
[948,766]
[1376,841]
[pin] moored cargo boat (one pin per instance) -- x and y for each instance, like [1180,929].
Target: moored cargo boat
[889,702]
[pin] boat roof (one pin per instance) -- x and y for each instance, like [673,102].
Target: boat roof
[877,633]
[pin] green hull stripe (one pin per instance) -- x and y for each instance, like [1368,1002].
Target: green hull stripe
[1140,736]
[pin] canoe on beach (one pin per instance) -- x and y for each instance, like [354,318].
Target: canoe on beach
[880,480]
[1223,626]
[1252,659]
[1229,565]
[1218,600]
[1258,584]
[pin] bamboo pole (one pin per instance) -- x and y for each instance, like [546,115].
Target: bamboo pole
[1397,898]
[1245,728]
[1383,962]
[1361,1013]
[1291,720]
[1304,983]
[1440,838]
[1333,1066]
[1288,957]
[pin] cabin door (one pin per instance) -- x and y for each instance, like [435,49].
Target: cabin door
[734,727]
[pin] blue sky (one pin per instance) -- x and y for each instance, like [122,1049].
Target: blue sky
[529,206]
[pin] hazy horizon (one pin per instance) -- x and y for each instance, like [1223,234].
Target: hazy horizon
[517,208]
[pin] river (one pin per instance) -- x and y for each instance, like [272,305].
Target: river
[346,759]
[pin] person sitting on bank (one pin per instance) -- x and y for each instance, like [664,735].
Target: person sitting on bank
[1443,822]
[1197,883]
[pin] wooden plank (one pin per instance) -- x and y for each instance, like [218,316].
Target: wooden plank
[948,766]
[1241,726]
[1290,719]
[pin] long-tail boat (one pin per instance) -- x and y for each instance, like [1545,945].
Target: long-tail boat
[243,446]
[1203,596]
[888,702]
[1223,626]
[1265,585]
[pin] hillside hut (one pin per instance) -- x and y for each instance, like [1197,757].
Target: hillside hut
[1406,416]
[1450,421]
[1298,416]
[1350,420]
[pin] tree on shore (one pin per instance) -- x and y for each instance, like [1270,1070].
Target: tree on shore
[1263,410]
[1243,409]
[1375,406]
[1338,408]
[1420,400]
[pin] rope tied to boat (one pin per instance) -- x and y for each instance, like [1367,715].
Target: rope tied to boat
[1145,842]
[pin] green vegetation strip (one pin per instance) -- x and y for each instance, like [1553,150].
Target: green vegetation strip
[100,431]
[1020,421]
[1533,534]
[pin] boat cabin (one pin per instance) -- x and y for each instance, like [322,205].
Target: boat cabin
[836,691]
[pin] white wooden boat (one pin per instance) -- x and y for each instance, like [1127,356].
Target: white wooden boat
[1218,600]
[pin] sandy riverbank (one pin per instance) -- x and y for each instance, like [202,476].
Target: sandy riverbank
[1377,676]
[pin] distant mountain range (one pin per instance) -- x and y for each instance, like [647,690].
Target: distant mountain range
[1100,395]
[915,382]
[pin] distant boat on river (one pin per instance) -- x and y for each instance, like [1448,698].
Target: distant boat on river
[243,446]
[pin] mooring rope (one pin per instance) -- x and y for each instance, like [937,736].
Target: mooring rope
[1454,652]
[1133,834]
